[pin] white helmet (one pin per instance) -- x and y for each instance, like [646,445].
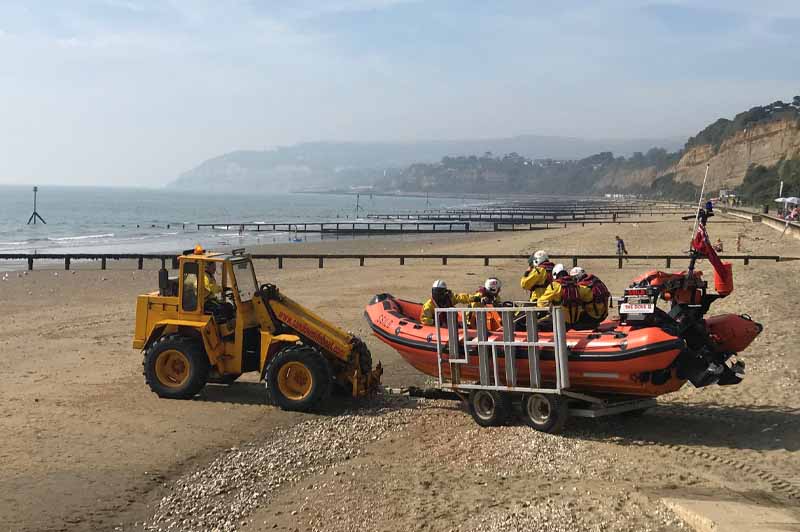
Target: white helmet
[540,257]
[493,285]
[578,273]
[557,269]
[438,283]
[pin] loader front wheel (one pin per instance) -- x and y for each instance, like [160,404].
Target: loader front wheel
[298,378]
[175,367]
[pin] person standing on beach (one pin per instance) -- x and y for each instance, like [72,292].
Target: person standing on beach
[621,250]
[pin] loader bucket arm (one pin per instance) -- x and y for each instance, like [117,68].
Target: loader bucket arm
[350,357]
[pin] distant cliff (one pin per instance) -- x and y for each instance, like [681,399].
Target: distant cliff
[332,164]
[765,144]
[761,137]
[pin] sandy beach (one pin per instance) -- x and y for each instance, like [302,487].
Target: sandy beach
[87,446]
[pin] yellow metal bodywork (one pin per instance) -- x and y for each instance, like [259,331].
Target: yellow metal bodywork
[279,321]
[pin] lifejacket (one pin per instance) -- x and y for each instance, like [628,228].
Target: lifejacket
[548,266]
[484,293]
[570,298]
[493,321]
[600,294]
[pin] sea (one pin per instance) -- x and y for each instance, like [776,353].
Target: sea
[138,220]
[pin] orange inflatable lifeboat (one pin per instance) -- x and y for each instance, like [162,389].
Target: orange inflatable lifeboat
[646,352]
[613,359]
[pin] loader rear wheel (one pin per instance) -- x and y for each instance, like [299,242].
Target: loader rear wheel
[545,412]
[175,367]
[489,408]
[298,378]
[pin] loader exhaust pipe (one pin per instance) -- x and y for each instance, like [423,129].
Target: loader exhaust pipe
[163,281]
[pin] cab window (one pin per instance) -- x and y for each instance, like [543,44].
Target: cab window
[245,279]
[189,297]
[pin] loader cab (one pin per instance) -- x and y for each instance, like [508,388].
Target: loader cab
[193,289]
[235,282]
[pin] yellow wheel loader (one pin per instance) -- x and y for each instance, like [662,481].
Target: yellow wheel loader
[214,322]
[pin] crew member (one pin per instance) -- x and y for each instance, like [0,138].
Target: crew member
[489,292]
[487,295]
[441,297]
[538,275]
[213,290]
[596,310]
[564,291]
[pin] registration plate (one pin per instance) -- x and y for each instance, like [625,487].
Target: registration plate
[637,308]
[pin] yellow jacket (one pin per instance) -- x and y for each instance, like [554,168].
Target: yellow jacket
[428,308]
[535,281]
[210,285]
[596,311]
[552,296]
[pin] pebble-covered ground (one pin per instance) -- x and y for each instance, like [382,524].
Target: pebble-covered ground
[411,464]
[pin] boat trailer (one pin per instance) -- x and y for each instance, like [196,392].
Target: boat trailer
[544,405]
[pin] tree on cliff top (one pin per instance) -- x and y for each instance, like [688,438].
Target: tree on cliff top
[723,129]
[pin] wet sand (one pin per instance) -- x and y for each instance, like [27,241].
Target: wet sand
[86,446]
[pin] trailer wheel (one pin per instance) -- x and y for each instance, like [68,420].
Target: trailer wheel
[544,412]
[489,408]
[298,378]
[175,367]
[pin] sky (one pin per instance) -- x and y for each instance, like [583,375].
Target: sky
[134,92]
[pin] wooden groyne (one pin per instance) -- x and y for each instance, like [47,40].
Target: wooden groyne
[517,215]
[346,228]
[171,261]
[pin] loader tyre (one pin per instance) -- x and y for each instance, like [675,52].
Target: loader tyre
[298,378]
[175,367]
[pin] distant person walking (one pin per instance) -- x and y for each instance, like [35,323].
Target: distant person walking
[621,250]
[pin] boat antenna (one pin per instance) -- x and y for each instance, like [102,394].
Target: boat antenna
[699,204]
[700,217]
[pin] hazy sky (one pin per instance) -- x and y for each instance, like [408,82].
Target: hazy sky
[137,91]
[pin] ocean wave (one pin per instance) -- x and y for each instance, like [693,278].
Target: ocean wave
[83,237]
